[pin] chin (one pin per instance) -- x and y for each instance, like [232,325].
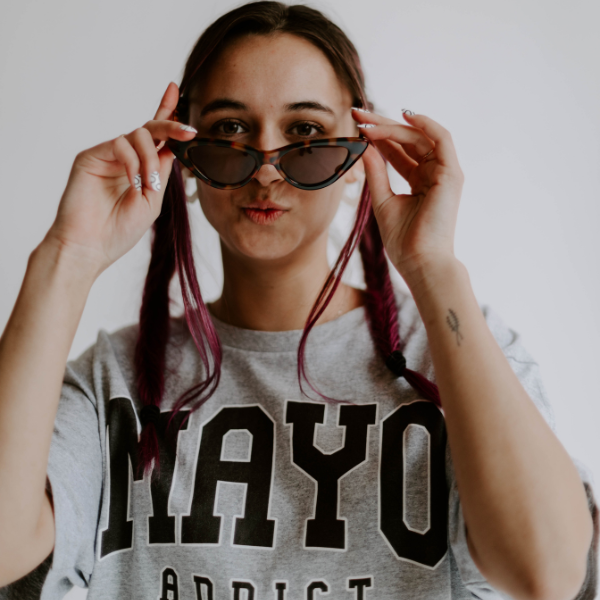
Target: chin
[261,245]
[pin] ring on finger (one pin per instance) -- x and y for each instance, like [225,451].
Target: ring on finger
[426,155]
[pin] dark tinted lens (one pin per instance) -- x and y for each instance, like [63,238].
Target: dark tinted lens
[222,165]
[314,165]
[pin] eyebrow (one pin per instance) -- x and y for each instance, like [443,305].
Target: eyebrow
[308,105]
[230,104]
[222,104]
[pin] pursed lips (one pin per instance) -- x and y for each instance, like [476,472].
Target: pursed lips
[265,205]
[263,213]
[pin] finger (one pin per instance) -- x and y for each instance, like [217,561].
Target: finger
[166,158]
[163,130]
[395,154]
[141,140]
[377,177]
[167,107]
[365,116]
[168,103]
[445,152]
[413,141]
[109,151]
[368,118]
[124,153]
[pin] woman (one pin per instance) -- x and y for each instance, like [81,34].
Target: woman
[286,441]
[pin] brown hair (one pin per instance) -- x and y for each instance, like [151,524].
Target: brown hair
[268,18]
[171,248]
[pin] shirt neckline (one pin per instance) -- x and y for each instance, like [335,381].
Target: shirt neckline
[286,341]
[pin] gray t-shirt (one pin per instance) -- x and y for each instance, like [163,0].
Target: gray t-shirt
[270,495]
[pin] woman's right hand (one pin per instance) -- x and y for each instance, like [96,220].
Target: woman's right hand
[102,214]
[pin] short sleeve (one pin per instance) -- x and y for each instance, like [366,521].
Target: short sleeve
[522,363]
[528,372]
[75,479]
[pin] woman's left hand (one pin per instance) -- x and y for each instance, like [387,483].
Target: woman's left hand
[417,229]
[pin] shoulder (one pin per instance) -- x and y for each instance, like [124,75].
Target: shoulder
[108,365]
[118,345]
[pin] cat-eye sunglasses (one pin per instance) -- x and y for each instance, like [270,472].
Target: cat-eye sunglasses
[308,165]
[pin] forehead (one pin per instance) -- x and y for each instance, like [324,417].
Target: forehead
[271,72]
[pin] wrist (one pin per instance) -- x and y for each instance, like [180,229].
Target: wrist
[432,274]
[55,259]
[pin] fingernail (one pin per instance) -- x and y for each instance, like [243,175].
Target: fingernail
[365,125]
[188,128]
[408,112]
[360,109]
[155,181]
[137,182]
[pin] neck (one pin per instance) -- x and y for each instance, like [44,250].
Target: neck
[277,295]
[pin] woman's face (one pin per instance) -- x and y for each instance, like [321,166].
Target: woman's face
[270,91]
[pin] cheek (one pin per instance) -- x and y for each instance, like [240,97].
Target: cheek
[215,205]
[320,207]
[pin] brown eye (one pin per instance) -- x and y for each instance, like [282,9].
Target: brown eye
[228,128]
[307,129]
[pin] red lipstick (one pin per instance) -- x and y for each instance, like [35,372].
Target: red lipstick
[263,213]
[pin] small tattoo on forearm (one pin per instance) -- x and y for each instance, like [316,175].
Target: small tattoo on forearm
[454,324]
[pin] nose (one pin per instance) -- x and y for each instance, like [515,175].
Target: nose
[267,174]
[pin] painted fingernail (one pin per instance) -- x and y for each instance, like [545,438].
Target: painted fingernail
[408,112]
[155,181]
[188,128]
[137,182]
[360,109]
[365,125]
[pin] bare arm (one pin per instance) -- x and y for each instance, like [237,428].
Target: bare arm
[109,203]
[529,527]
[33,353]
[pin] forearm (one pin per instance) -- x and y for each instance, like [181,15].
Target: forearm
[524,505]
[33,353]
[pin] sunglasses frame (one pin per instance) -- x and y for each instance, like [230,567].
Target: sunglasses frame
[356,146]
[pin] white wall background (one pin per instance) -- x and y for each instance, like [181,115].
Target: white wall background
[516,82]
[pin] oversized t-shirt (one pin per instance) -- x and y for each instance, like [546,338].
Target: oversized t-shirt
[270,494]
